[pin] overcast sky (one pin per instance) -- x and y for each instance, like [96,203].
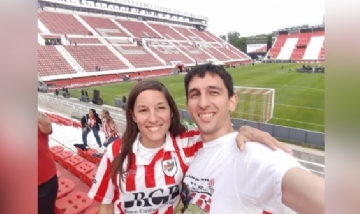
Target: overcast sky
[250,17]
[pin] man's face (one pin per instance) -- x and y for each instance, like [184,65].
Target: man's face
[209,105]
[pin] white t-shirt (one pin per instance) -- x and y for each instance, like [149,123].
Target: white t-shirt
[221,179]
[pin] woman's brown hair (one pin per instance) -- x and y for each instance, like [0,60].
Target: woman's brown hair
[131,130]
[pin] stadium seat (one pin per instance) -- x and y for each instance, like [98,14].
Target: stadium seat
[88,178]
[56,149]
[84,168]
[65,187]
[72,162]
[74,203]
[61,156]
[89,155]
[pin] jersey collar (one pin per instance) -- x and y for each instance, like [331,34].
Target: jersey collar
[168,146]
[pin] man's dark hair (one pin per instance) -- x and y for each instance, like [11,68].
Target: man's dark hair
[201,70]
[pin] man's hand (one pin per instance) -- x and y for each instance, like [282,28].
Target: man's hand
[248,133]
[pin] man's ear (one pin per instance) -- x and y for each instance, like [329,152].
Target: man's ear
[233,102]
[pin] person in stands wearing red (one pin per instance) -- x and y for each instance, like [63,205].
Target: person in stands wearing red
[143,171]
[111,131]
[47,172]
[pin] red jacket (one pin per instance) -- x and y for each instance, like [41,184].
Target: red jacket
[46,163]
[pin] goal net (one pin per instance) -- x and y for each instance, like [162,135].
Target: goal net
[255,104]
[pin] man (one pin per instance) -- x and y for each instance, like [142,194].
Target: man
[47,176]
[221,179]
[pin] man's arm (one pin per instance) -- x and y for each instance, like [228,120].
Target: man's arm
[271,179]
[247,133]
[106,209]
[303,191]
[44,123]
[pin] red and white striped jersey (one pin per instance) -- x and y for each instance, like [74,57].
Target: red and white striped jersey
[104,127]
[112,129]
[153,182]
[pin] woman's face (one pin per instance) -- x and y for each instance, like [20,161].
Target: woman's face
[91,114]
[153,117]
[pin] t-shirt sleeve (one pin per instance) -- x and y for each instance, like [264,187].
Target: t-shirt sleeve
[258,176]
[102,189]
[191,142]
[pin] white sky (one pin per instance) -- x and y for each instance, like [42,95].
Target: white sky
[250,17]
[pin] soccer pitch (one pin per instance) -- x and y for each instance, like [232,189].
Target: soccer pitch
[299,97]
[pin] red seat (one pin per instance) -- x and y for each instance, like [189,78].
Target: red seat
[88,178]
[65,187]
[72,162]
[82,153]
[89,154]
[61,156]
[83,169]
[74,203]
[56,149]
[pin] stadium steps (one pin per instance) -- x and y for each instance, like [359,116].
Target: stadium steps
[153,30]
[155,55]
[196,36]
[122,28]
[42,27]
[185,54]
[41,40]
[211,56]
[287,49]
[86,25]
[179,33]
[222,54]
[118,55]
[314,48]
[67,56]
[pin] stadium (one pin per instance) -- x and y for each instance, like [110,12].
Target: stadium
[91,53]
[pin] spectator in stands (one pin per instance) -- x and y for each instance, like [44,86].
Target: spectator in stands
[90,122]
[111,131]
[124,103]
[104,114]
[47,172]
[156,150]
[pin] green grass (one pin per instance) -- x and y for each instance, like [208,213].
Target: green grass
[299,98]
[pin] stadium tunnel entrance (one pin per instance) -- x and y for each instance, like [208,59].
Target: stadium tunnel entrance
[180,67]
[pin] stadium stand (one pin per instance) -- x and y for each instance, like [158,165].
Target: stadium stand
[98,47]
[166,31]
[51,62]
[61,23]
[91,56]
[299,47]
[138,29]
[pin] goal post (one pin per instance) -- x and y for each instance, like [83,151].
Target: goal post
[255,104]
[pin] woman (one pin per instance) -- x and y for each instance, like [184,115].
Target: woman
[90,122]
[142,172]
[111,131]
